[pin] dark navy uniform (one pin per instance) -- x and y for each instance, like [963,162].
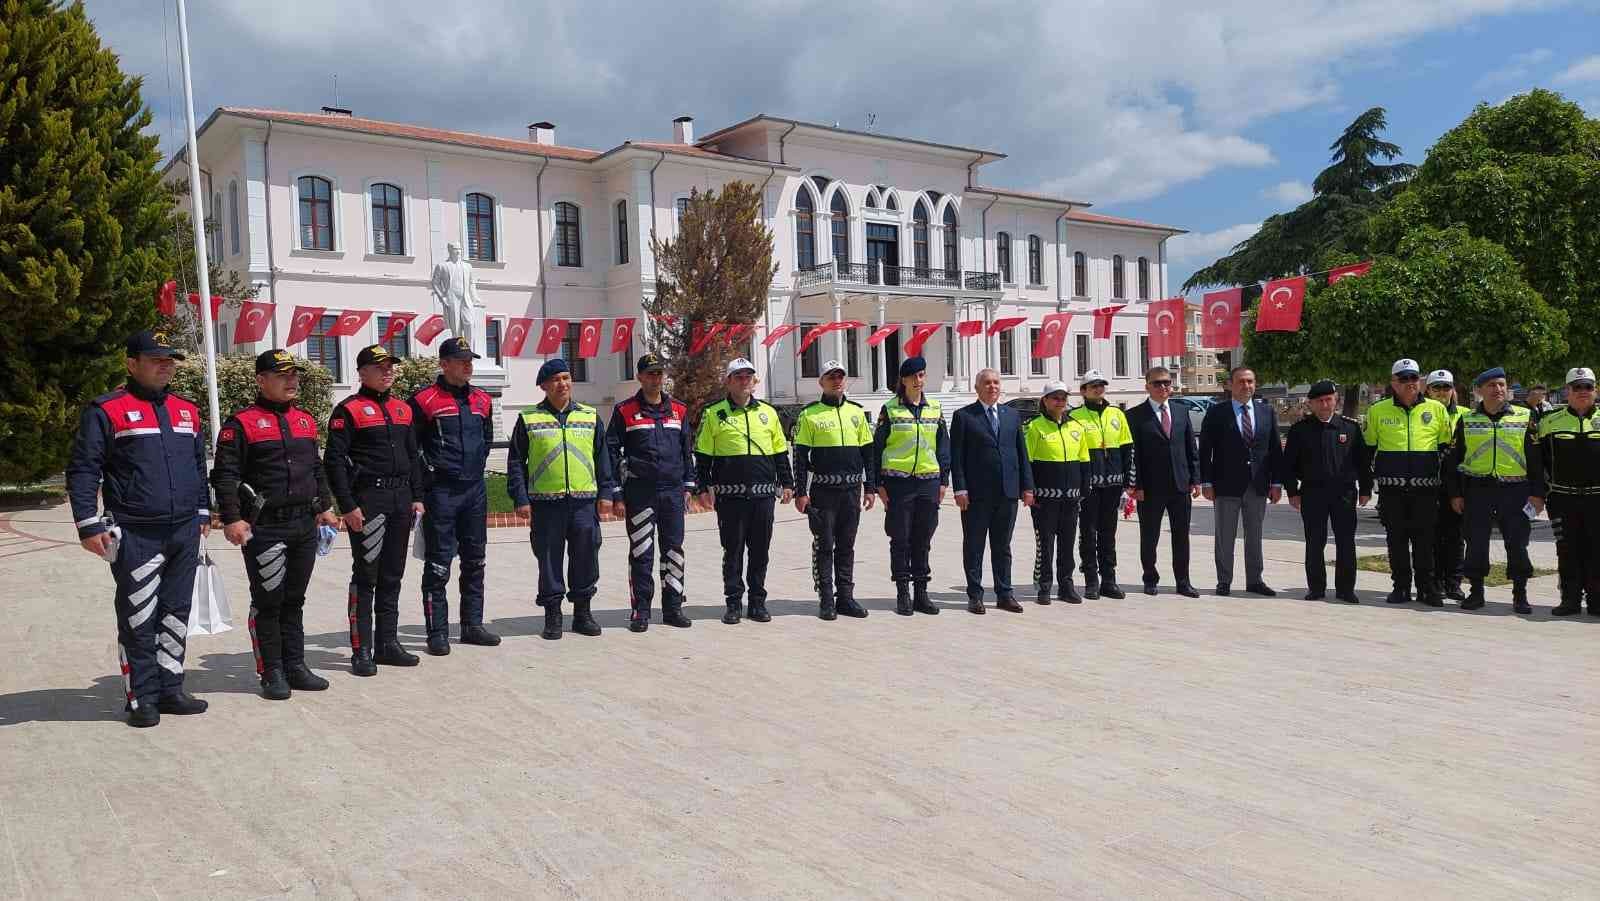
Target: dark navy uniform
[143,452]
[653,459]
[1327,465]
[833,453]
[373,465]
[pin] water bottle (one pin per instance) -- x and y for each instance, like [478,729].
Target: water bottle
[325,537]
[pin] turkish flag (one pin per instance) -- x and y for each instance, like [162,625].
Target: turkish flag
[1052,336]
[882,334]
[1166,326]
[823,329]
[1102,320]
[732,334]
[1350,271]
[919,336]
[550,335]
[968,328]
[517,329]
[776,335]
[167,299]
[1010,322]
[254,317]
[216,303]
[622,335]
[1279,308]
[1219,318]
[589,337]
[430,329]
[702,334]
[350,322]
[300,325]
[397,321]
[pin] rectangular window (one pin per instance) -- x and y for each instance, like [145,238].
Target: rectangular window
[400,345]
[491,341]
[569,352]
[1008,362]
[1144,353]
[324,350]
[233,215]
[811,360]
[1035,364]
[1080,353]
[627,363]
[1122,356]
[852,354]
[949,350]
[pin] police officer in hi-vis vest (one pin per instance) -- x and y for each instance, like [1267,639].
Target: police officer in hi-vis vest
[1110,469]
[1568,448]
[1058,448]
[559,475]
[1408,434]
[1492,477]
[911,450]
[832,463]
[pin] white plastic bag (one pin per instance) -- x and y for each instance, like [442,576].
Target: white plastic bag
[209,613]
[419,544]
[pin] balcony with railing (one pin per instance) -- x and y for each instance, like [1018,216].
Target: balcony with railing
[894,279]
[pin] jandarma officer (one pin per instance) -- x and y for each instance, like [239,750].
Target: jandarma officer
[1492,475]
[376,475]
[1408,434]
[567,490]
[273,493]
[141,448]
[832,463]
[911,450]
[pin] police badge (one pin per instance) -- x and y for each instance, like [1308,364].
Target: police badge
[763,418]
[1427,417]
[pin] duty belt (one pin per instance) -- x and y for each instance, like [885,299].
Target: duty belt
[1578,490]
[286,513]
[1054,493]
[836,478]
[1509,480]
[760,489]
[562,495]
[383,481]
[1408,481]
[897,474]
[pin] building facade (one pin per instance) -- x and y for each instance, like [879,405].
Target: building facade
[335,211]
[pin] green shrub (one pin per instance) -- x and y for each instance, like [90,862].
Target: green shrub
[413,374]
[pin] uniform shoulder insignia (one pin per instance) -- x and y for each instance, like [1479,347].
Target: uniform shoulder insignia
[853,403]
[1349,419]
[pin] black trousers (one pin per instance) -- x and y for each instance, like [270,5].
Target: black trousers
[1491,504]
[834,513]
[745,526]
[910,521]
[655,516]
[278,558]
[1449,543]
[1177,508]
[991,522]
[154,571]
[378,564]
[1321,504]
[1575,520]
[1409,518]
[1097,533]
[565,532]
[1055,524]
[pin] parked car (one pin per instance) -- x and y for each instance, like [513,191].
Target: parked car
[1197,407]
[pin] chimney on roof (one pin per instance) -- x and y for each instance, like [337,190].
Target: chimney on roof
[337,111]
[542,133]
[683,130]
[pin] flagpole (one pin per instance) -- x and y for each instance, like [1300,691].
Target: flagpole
[197,214]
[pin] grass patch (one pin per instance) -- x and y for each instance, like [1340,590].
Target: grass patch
[1379,563]
[499,501]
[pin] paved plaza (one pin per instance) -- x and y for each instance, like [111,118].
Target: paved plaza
[1150,747]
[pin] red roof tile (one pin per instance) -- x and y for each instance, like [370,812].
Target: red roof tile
[415,132]
[1097,218]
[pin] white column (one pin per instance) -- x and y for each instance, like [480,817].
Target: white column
[880,360]
[838,337]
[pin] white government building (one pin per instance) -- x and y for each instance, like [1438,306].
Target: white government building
[332,210]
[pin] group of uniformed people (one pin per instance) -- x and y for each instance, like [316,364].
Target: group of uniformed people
[391,463]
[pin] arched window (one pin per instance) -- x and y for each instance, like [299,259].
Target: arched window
[622,231]
[233,216]
[1035,260]
[1119,279]
[888,201]
[805,230]
[388,220]
[872,198]
[1002,250]
[480,227]
[1080,275]
[569,237]
[919,239]
[840,228]
[316,213]
[952,238]
[1144,278]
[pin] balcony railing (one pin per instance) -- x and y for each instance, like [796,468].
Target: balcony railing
[897,277]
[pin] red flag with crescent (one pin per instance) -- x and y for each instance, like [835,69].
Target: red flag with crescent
[550,335]
[517,329]
[254,317]
[349,322]
[1052,336]
[1350,271]
[1006,324]
[776,335]
[1167,327]
[823,329]
[167,299]
[1103,318]
[397,323]
[430,329]
[622,334]
[919,336]
[701,335]
[216,303]
[1219,318]
[882,334]
[968,328]
[589,337]
[300,325]
[1280,305]
[733,333]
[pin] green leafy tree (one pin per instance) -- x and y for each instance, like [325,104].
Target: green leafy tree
[719,269]
[413,374]
[236,386]
[82,222]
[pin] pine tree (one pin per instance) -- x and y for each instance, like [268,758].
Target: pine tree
[82,218]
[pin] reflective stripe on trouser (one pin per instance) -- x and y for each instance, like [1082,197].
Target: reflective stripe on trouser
[456,520]
[834,513]
[1097,533]
[1408,519]
[278,560]
[1575,522]
[745,526]
[910,521]
[154,572]
[1493,504]
[1055,526]
[566,532]
[378,564]
[655,527]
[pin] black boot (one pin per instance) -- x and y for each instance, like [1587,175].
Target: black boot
[1569,606]
[303,679]
[827,609]
[439,644]
[392,653]
[1110,589]
[1069,594]
[1519,597]
[361,663]
[849,607]
[1043,599]
[475,633]
[1398,596]
[274,687]
[552,622]
[1452,590]
[639,618]
[181,703]
[920,602]
[902,599]
[1091,588]
[144,716]
[758,612]
[735,612]
[582,620]
[672,615]
[1474,600]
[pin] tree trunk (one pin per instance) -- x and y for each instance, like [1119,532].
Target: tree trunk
[1352,398]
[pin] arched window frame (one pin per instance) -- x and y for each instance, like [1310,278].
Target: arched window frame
[952,242]
[494,221]
[1035,260]
[805,228]
[921,253]
[619,225]
[372,223]
[295,213]
[233,217]
[1080,274]
[1144,278]
[839,227]
[567,215]
[1119,278]
[1002,255]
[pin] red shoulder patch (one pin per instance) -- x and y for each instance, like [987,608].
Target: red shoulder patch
[227,434]
[336,423]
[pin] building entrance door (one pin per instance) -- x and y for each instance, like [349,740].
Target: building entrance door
[883,245]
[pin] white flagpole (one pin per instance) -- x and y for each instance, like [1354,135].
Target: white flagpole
[197,214]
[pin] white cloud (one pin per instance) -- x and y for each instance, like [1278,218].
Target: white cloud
[1198,249]
[1288,193]
[1584,70]
[1518,68]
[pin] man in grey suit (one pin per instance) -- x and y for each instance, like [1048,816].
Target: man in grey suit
[1241,466]
[990,472]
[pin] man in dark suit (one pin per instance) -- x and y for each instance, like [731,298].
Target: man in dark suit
[1241,465]
[1166,478]
[990,472]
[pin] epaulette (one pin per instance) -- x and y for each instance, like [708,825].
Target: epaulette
[853,403]
[1349,419]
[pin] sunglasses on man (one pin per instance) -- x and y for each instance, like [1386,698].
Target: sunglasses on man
[1162,383]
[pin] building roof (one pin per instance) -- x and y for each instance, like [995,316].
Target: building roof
[415,132]
[1025,195]
[985,156]
[1099,219]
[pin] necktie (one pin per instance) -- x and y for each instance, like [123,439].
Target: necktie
[994,421]
[1245,428]
[1166,422]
